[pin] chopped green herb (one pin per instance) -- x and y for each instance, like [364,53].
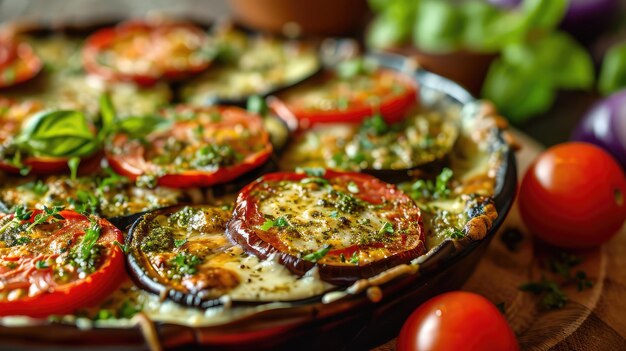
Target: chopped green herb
[267,224]
[49,213]
[41,265]
[354,259]
[334,214]
[347,203]
[581,281]
[317,180]
[552,297]
[85,202]
[23,240]
[279,222]
[312,171]
[92,234]
[386,228]
[454,233]
[185,263]
[179,242]
[437,190]
[374,125]
[22,213]
[317,255]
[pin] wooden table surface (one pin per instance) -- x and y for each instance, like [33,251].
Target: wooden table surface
[592,320]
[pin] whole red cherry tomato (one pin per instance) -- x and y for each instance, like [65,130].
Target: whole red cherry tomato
[455,321]
[572,196]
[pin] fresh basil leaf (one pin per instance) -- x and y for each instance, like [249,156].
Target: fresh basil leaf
[394,26]
[479,18]
[60,133]
[613,71]
[108,116]
[517,95]
[438,26]
[545,15]
[140,126]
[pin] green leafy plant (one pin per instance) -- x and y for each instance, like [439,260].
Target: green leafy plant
[534,59]
[613,73]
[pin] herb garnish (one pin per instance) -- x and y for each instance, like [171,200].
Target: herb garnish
[429,189]
[179,242]
[560,266]
[185,263]
[386,228]
[317,255]
[280,222]
[47,214]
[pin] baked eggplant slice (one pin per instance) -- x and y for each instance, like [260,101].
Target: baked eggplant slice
[349,225]
[375,146]
[247,65]
[183,253]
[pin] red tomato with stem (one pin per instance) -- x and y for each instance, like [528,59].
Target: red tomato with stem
[455,321]
[572,196]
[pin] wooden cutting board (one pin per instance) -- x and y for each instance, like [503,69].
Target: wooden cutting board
[592,320]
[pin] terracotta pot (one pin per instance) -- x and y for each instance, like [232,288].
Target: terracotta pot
[311,18]
[467,68]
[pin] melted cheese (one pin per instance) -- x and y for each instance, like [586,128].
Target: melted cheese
[315,223]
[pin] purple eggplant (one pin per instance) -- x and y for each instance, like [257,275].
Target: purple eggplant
[605,125]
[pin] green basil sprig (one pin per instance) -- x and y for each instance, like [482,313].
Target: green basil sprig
[61,133]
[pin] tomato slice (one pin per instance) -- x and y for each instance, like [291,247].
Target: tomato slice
[204,146]
[18,63]
[51,269]
[146,52]
[330,99]
[350,225]
[12,115]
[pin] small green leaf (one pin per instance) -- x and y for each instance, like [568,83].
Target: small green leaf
[386,228]
[312,171]
[108,116]
[60,133]
[256,104]
[613,71]
[180,242]
[354,259]
[140,126]
[267,224]
[317,255]
[438,26]
[73,164]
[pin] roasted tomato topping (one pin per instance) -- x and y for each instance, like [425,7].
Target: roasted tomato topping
[201,147]
[18,62]
[56,262]
[333,98]
[146,52]
[181,251]
[350,225]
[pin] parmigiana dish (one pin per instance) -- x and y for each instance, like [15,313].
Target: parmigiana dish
[315,232]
